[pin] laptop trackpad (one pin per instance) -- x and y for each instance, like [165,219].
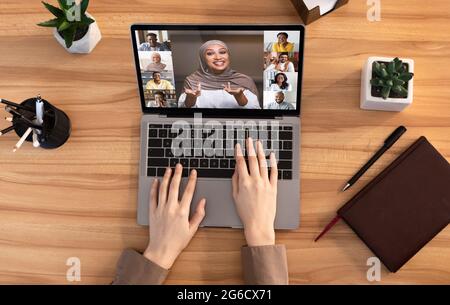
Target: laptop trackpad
[220,209]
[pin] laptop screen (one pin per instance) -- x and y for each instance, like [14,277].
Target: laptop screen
[220,68]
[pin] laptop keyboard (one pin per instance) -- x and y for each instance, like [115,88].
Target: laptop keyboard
[210,164]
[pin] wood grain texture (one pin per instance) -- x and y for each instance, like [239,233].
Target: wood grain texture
[80,200]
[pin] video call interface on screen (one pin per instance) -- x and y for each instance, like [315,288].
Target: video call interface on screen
[219,69]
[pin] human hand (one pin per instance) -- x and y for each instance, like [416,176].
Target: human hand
[235,91]
[170,227]
[194,93]
[255,195]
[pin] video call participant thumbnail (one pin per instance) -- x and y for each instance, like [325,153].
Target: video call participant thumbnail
[280,103]
[160,99]
[215,84]
[156,65]
[280,83]
[281,64]
[283,45]
[158,83]
[152,44]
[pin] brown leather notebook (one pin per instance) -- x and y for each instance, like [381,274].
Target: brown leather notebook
[404,207]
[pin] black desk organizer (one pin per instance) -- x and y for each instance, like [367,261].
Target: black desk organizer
[56,127]
[309,16]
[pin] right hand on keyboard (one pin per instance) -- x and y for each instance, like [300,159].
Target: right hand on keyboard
[255,195]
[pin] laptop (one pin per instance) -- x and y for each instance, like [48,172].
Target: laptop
[204,88]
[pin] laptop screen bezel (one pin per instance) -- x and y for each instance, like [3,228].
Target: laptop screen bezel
[214,111]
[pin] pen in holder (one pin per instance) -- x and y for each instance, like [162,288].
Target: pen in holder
[51,126]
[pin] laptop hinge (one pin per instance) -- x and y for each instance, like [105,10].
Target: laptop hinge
[267,117]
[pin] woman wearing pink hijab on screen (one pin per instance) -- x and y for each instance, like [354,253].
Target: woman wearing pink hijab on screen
[215,84]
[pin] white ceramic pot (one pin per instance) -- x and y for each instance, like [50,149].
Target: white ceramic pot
[86,44]
[370,102]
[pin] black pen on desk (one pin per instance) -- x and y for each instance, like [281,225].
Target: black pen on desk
[387,144]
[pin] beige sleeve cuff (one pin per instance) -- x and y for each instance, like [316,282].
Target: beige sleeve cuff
[265,265]
[134,268]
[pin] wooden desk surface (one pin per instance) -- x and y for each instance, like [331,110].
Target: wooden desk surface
[80,200]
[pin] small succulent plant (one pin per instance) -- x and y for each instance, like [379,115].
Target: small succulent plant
[71,20]
[392,77]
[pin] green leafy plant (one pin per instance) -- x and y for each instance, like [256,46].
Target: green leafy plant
[392,77]
[71,20]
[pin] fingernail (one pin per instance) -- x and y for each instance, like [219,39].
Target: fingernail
[193,172]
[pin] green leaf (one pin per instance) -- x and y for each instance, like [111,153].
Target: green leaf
[60,21]
[378,72]
[385,92]
[85,20]
[398,64]
[63,4]
[391,68]
[376,66]
[376,82]
[404,92]
[384,73]
[84,5]
[53,23]
[64,26]
[400,90]
[69,36]
[398,82]
[389,83]
[397,89]
[54,10]
[406,76]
